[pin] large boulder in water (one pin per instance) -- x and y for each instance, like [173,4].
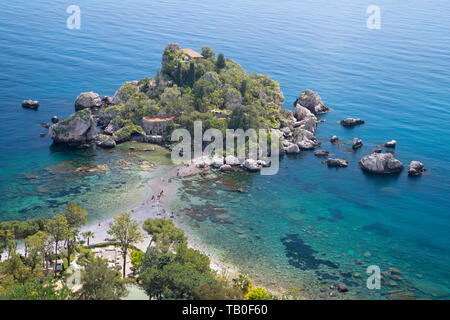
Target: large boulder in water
[312,101]
[105,141]
[390,144]
[30,104]
[415,169]
[232,160]
[351,122]
[76,131]
[322,153]
[251,165]
[87,100]
[306,140]
[337,163]
[380,163]
[291,148]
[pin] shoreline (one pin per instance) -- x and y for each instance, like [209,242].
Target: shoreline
[164,180]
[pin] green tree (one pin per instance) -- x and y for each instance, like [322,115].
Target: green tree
[220,63]
[164,232]
[244,117]
[15,267]
[208,53]
[125,231]
[136,259]
[88,235]
[36,248]
[101,283]
[40,289]
[242,282]
[8,241]
[174,281]
[243,88]
[194,258]
[76,217]
[58,229]
[179,74]
[190,75]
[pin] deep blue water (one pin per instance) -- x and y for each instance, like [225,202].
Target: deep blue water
[396,78]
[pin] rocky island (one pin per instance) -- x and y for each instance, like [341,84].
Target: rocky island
[207,87]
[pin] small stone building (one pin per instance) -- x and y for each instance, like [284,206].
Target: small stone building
[155,126]
[192,55]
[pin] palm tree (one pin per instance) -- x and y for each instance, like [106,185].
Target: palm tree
[88,235]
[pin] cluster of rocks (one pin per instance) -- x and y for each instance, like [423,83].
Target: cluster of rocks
[79,130]
[228,163]
[297,130]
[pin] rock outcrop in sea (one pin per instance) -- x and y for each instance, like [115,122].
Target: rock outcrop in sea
[87,100]
[30,104]
[322,153]
[380,163]
[76,131]
[390,144]
[357,143]
[312,101]
[351,122]
[416,169]
[337,163]
[334,140]
[251,165]
[105,141]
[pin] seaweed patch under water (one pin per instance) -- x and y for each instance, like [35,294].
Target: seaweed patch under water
[301,255]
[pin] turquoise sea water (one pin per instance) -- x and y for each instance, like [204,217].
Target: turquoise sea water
[306,225]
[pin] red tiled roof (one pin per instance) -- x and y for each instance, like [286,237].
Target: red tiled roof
[158,119]
[192,54]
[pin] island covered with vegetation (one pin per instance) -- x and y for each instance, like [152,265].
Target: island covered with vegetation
[190,86]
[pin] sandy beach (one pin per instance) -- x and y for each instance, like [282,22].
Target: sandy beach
[163,189]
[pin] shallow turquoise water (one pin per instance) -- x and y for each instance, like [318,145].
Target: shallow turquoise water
[396,78]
